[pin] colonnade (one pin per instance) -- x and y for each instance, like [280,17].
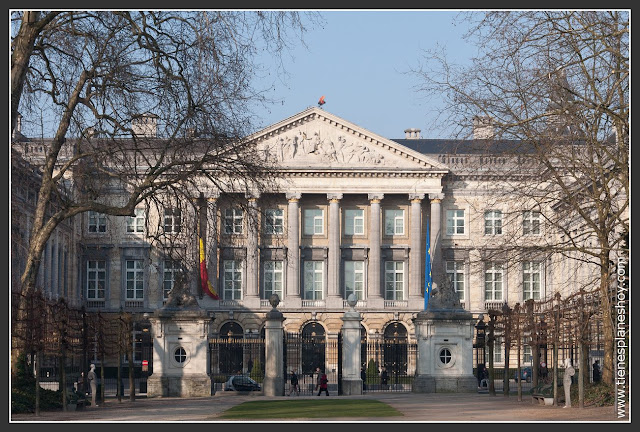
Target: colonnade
[375,285]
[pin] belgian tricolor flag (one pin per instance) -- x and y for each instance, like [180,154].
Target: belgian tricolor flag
[204,276]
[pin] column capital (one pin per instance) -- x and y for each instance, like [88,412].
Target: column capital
[334,197]
[252,196]
[293,196]
[376,197]
[416,197]
[436,196]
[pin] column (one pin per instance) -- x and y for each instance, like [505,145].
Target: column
[273,384]
[375,290]
[351,381]
[252,291]
[211,242]
[54,264]
[434,225]
[292,297]
[416,253]
[333,272]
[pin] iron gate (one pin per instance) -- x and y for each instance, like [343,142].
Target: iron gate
[235,356]
[397,357]
[304,354]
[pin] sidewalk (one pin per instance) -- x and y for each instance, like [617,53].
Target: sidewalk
[415,407]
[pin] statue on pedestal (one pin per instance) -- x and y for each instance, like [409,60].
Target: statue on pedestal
[180,296]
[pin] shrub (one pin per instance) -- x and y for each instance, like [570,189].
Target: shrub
[599,394]
[373,376]
[23,392]
[256,372]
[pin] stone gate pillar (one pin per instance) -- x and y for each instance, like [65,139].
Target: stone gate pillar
[445,345]
[351,381]
[273,384]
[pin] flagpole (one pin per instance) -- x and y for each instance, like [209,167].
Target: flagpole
[427,270]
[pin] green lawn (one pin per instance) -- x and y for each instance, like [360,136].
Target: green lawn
[310,408]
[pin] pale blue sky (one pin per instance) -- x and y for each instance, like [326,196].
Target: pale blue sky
[358,60]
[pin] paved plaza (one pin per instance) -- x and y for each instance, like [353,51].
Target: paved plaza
[415,407]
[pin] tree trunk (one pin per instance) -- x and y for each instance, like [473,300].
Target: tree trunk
[607,323]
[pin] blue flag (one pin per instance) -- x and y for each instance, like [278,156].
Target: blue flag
[427,270]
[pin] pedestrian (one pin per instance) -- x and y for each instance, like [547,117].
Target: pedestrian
[569,372]
[294,384]
[80,383]
[480,374]
[596,371]
[321,382]
[91,376]
[363,377]
[384,377]
[543,369]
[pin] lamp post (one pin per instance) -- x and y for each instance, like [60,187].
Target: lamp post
[480,337]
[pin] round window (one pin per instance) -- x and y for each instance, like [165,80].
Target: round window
[180,355]
[445,355]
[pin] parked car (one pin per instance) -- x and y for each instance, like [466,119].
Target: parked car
[241,383]
[525,374]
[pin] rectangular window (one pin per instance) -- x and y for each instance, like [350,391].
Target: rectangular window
[531,223]
[232,280]
[134,279]
[354,279]
[233,221]
[135,224]
[455,271]
[172,220]
[493,222]
[97,222]
[354,222]
[171,270]
[313,222]
[273,279]
[394,222]
[493,281]
[531,280]
[394,280]
[96,279]
[137,347]
[313,280]
[498,348]
[455,222]
[274,221]
[527,358]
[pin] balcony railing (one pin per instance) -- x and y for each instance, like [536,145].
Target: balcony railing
[133,304]
[313,303]
[493,304]
[231,303]
[395,303]
[359,304]
[266,303]
[95,304]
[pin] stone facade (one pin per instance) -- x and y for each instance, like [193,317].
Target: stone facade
[348,213]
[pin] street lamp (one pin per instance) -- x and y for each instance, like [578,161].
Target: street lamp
[480,341]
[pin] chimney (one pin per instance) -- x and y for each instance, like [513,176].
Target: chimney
[483,127]
[17,131]
[145,125]
[412,133]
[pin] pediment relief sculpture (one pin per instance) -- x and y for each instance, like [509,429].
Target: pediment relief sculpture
[301,148]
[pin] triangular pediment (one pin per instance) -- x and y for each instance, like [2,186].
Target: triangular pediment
[315,138]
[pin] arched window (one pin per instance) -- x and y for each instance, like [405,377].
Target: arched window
[231,335]
[313,347]
[395,349]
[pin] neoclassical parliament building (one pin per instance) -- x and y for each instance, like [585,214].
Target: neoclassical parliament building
[351,213]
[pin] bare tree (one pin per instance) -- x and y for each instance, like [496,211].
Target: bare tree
[552,87]
[143,103]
